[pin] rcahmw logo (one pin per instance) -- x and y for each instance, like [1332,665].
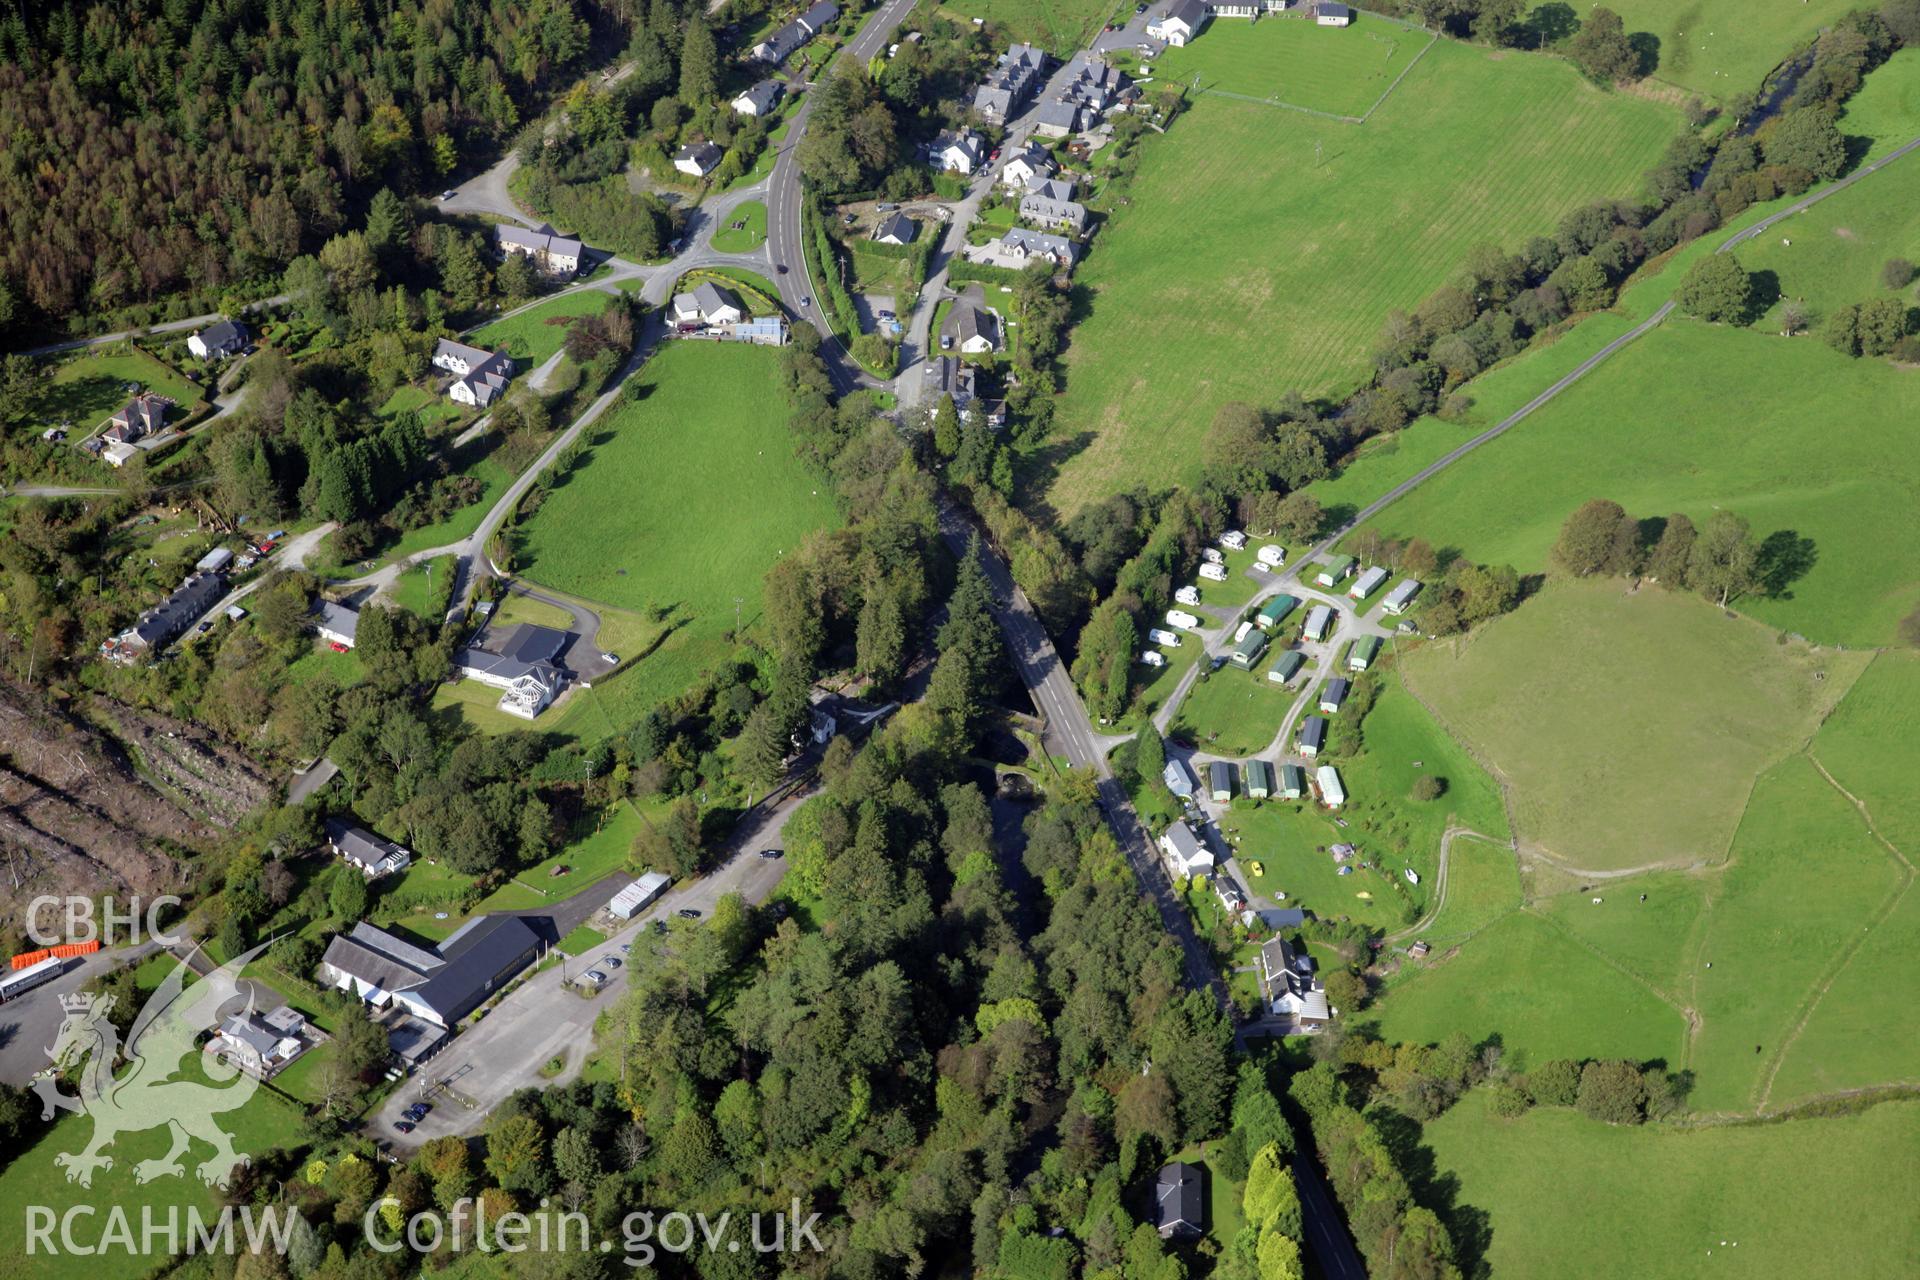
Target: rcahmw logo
[82,1231]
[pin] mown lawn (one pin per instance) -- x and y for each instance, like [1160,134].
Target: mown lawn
[745,229]
[1563,1195]
[1289,840]
[88,387]
[1233,712]
[684,501]
[1694,418]
[1315,231]
[1629,727]
[1340,71]
[1723,48]
[539,331]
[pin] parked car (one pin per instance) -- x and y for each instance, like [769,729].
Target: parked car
[404,1126]
[772,853]
[688,913]
[610,962]
[885,208]
[423,1107]
[611,659]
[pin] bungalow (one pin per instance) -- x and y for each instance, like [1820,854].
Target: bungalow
[895,228]
[372,856]
[1330,13]
[708,303]
[1319,622]
[1332,793]
[1333,570]
[221,338]
[1186,856]
[1045,209]
[1214,571]
[1179,779]
[956,152]
[1273,555]
[1018,70]
[1259,779]
[478,376]
[1362,653]
[1025,167]
[1286,666]
[759,100]
[1400,597]
[553,253]
[698,159]
[440,985]
[1368,583]
[1333,693]
[261,1044]
[1220,781]
[1180,1202]
[779,46]
[1248,649]
[1275,611]
[523,664]
[970,327]
[335,623]
[117,453]
[1313,736]
[1293,782]
[1177,21]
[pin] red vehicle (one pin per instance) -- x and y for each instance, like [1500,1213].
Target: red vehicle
[336,646]
[266,548]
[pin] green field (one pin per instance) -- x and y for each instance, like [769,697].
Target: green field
[88,387]
[749,233]
[265,1122]
[1329,227]
[535,333]
[1062,27]
[1886,110]
[1692,418]
[1339,71]
[1723,48]
[1630,727]
[1565,1196]
[1233,712]
[685,499]
[1289,841]
[1483,884]
[423,588]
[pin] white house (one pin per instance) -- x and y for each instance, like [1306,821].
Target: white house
[478,376]
[758,100]
[1019,243]
[221,338]
[261,1044]
[970,327]
[522,664]
[1025,167]
[707,303]
[956,152]
[335,623]
[698,159]
[1330,13]
[1177,21]
[895,228]
[553,253]
[1186,855]
[365,851]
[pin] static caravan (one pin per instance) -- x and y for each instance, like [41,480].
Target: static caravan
[1400,597]
[1220,781]
[1287,666]
[1293,782]
[1333,793]
[1333,570]
[1259,775]
[1368,583]
[1363,652]
[1319,622]
[1313,735]
[1333,694]
[1248,650]
[1275,611]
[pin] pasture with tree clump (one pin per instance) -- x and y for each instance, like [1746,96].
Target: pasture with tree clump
[687,495]
[1630,1202]
[1721,49]
[1261,249]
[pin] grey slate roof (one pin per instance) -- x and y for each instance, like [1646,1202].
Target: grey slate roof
[477,960]
[896,226]
[528,648]
[165,622]
[1179,1200]
[223,335]
[358,845]
[705,154]
[337,618]
[762,96]
[820,15]
[1184,842]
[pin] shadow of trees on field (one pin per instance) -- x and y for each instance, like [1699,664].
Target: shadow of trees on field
[1470,1228]
[1785,557]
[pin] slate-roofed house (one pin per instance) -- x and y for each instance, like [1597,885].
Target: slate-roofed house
[1177,21]
[958,152]
[1186,855]
[1018,70]
[896,228]
[1291,988]
[1044,208]
[167,621]
[1018,242]
[1023,168]
[221,338]
[335,623]
[442,984]
[708,303]
[479,377]
[555,254]
[523,663]
[970,327]
[758,100]
[1057,119]
[139,418]
[779,46]
[954,377]
[260,1044]
[1180,1202]
[1329,13]
[372,856]
[698,159]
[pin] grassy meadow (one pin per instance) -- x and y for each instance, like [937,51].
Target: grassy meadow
[1330,226]
[1483,884]
[1678,709]
[1723,48]
[1233,712]
[1696,417]
[537,332]
[1628,1203]
[1061,27]
[1339,71]
[745,231]
[686,497]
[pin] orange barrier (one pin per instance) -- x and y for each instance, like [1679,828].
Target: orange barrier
[66,951]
